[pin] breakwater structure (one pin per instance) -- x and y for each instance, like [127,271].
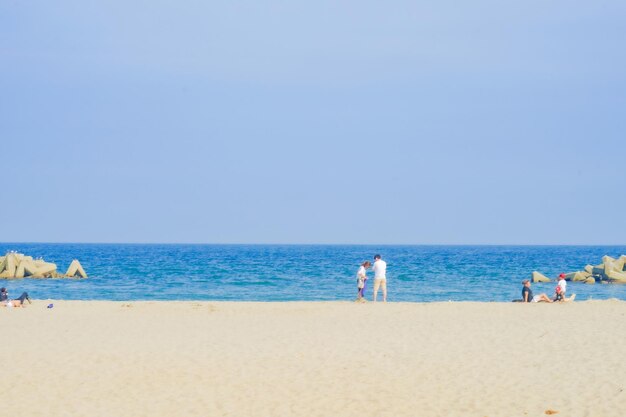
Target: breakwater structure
[17,265]
[611,270]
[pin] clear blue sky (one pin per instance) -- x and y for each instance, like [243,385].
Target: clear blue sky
[488,122]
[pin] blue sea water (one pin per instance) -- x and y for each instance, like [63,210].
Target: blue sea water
[305,272]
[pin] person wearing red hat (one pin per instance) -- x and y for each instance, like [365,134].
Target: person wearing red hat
[560,289]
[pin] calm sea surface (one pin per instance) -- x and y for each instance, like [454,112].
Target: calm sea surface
[305,272]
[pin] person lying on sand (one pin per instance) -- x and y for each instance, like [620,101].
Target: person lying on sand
[16,302]
[528,297]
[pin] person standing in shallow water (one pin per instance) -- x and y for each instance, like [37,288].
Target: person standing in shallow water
[380,277]
[361,280]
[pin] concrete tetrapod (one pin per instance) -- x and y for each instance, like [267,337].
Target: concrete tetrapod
[18,265]
[607,258]
[10,264]
[3,263]
[19,271]
[598,270]
[611,270]
[29,268]
[577,276]
[617,277]
[45,270]
[538,277]
[75,269]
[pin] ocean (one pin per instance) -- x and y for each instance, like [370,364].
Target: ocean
[129,272]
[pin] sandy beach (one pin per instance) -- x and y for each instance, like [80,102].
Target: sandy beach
[88,358]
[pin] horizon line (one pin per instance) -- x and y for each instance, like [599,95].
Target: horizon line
[310,244]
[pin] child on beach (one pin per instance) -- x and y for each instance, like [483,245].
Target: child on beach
[361,279]
[560,289]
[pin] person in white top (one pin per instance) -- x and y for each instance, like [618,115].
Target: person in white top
[361,280]
[380,277]
[561,289]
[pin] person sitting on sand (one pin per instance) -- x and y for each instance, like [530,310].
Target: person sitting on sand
[17,302]
[527,294]
[361,280]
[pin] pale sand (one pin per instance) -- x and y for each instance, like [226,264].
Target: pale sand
[313,359]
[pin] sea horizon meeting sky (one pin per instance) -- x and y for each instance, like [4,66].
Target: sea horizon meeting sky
[403,122]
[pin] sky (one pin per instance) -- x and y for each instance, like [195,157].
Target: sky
[363,122]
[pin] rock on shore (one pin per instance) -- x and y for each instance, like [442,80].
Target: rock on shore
[611,270]
[18,265]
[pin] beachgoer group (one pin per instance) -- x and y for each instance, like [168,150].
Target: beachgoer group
[380,278]
[380,283]
[559,292]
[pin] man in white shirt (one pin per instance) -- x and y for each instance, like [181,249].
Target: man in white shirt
[380,277]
